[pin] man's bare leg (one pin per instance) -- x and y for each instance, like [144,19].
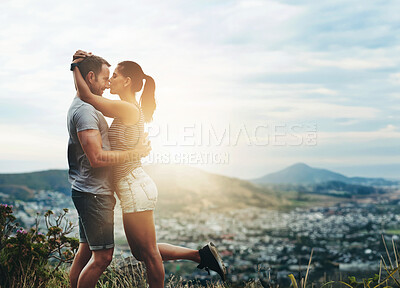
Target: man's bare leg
[81,259]
[95,267]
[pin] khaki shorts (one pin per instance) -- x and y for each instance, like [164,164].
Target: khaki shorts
[137,192]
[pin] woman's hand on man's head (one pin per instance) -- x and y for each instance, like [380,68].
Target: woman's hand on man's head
[80,55]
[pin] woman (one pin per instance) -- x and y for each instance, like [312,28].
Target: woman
[135,189]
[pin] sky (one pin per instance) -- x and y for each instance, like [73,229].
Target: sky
[244,88]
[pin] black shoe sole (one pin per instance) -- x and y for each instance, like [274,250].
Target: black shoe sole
[217,257]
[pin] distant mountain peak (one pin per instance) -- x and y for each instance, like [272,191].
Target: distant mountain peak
[300,165]
[301,173]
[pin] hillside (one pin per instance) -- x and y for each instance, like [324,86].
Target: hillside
[17,192]
[192,189]
[42,180]
[180,188]
[187,189]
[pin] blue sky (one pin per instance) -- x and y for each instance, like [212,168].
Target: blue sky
[294,81]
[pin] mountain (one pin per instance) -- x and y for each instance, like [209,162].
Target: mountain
[191,189]
[56,180]
[301,173]
[180,188]
[19,192]
[187,189]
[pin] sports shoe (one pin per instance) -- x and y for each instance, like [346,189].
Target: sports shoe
[210,260]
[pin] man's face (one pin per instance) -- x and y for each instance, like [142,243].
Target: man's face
[102,83]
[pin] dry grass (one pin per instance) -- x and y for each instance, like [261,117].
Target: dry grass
[132,275]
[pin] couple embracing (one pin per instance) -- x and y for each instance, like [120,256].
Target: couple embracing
[103,160]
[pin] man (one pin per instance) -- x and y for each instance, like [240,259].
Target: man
[89,159]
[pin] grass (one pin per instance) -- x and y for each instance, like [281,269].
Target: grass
[135,276]
[128,274]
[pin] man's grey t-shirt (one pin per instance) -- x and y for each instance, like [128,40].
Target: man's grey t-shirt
[83,177]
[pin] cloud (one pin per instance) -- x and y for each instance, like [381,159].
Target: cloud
[361,59]
[335,25]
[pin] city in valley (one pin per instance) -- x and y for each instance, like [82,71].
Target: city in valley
[255,242]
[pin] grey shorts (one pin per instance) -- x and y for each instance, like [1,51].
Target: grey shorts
[96,219]
[137,192]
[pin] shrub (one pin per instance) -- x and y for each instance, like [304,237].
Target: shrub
[25,255]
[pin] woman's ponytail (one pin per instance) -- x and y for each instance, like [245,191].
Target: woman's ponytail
[147,100]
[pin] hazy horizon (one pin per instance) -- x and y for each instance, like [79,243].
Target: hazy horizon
[367,172]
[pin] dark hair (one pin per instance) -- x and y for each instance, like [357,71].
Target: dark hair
[147,101]
[92,63]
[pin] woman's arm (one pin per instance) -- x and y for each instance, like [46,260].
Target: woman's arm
[110,108]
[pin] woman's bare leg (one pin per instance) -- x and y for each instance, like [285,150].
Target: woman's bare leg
[141,236]
[172,252]
[167,251]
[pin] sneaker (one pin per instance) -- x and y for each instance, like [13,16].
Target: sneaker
[210,260]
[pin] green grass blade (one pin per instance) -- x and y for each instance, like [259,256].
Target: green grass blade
[330,282]
[348,285]
[294,283]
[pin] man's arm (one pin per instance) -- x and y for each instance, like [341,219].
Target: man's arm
[92,146]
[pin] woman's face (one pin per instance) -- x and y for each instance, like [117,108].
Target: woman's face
[117,82]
